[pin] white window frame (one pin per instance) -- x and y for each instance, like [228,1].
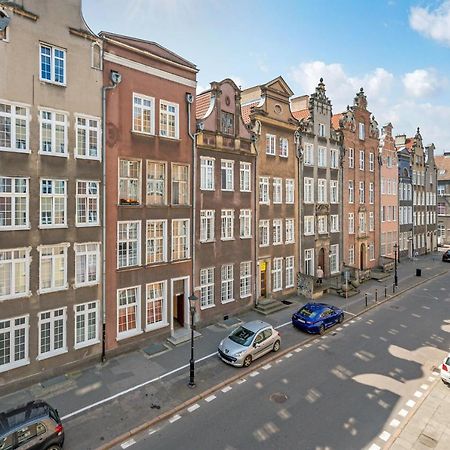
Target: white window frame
[362,222]
[227,283]
[153,302]
[351,191]
[132,331]
[181,241]
[308,261]
[227,224]
[284,147]
[175,115]
[334,223]
[308,225]
[87,128]
[308,190]
[159,240]
[138,109]
[351,223]
[154,185]
[289,236]
[263,229]
[271,144]
[207,288]
[245,277]
[89,200]
[245,182]
[207,166]
[84,311]
[362,192]
[53,50]
[176,168]
[351,255]
[16,119]
[245,223]
[16,198]
[361,131]
[54,248]
[207,225]
[277,274]
[53,124]
[351,158]
[53,196]
[322,224]
[277,232]
[264,196]
[371,193]
[290,193]
[90,252]
[321,190]
[371,252]
[227,175]
[14,331]
[321,130]
[128,241]
[322,156]
[128,180]
[334,191]
[334,258]
[14,258]
[372,162]
[334,158]
[277,184]
[361,160]
[289,271]
[62,315]
[308,159]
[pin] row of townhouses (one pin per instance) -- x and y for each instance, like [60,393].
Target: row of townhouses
[123,193]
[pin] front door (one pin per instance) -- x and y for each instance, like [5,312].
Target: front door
[321,260]
[263,278]
[178,309]
[362,257]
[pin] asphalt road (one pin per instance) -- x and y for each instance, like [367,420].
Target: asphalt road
[341,392]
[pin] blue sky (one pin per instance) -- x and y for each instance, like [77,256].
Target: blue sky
[398,50]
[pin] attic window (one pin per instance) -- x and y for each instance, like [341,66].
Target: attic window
[4,22]
[227,123]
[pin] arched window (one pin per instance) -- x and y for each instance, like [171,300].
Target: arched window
[96,56]
[4,22]
[405,172]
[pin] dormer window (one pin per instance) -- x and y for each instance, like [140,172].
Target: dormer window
[227,123]
[362,131]
[4,22]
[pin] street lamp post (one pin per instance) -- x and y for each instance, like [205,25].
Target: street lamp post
[192,302]
[395,265]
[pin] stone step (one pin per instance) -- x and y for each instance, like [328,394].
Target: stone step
[269,307]
[181,336]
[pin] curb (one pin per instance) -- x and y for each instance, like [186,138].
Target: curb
[243,373]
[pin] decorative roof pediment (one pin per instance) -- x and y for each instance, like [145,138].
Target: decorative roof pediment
[280,86]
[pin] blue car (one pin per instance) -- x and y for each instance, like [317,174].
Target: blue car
[317,317]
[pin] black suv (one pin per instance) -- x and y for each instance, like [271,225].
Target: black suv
[34,426]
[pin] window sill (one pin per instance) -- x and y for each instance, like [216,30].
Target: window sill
[128,334]
[126,268]
[277,203]
[227,239]
[271,154]
[48,291]
[59,155]
[87,225]
[13,150]
[203,308]
[52,83]
[149,328]
[245,237]
[245,296]
[86,344]
[170,139]
[88,158]
[15,228]
[227,190]
[143,134]
[176,261]
[52,227]
[264,245]
[227,301]
[207,189]
[14,365]
[131,204]
[208,241]
[289,286]
[92,283]
[289,242]
[51,354]
[15,296]
[277,290]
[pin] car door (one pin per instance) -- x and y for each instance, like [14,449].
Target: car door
[269,340]
[258,344]
[327,317]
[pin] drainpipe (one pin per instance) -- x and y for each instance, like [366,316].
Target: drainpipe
[115,78]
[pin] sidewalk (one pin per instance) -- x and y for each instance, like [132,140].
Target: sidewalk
[429,426]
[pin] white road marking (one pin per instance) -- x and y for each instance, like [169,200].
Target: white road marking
[394,423]
[431,378]
[288,355]
[384,436]
[267,366]
[153,431]
[410,403]
[193,407]
[416,315]
[348,312]
[352,321]
[418,394]
[253,374]
[346,324]
[339,329]
[307,345]
[374,447]
[297,350]
[242,380]
[424,387]
[403,413]
[258,385]
[383,339]
[283,325]
[278,361]
[226,389]
[210,398]
[358,318]
[174,418]
[324,337]
[128,443]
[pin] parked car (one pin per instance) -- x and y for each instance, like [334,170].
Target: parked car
[446,256]
[445,370]
[317,317]
[248,342]
[34,426]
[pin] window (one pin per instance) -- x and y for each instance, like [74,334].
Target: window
[361,160]
[309,225]
[156,294]
[371,193]
[14,273]
[351,192]
[129,182]
[128,311]
[277,233]
[372,162]
[361,192]
[88,136]
[289,271]
[53,64]
[86,324]
[322,157]
[270,144]
[207,174]
[87,203]
[227,224]
[309,262]
[371,221]
[168,119]
[180,184]
[53,133]
[14,203]
[180,239]
[14,128]
[290,236]
[284,147]
[156,241]
[289,191]
[334,192]
[245,219]
[334,258]
[52,333]
[321,190]
[227,169]
[4,32]
[277,273]
[245,177]
[322,224]
[321,130]
[362,222]
[53,203]
[371,251]
[128,244]
[351,255]
[351,223]
[227,122]
[264,190]
[351,158]
[143,114]
[207,288]
[87,264]
[96,56]
[14,335]
[277,190]
[227,283]
[263,233]
[207,225]
[334,223]
[245,279]
[361,131]
[308,158]
[334,158]
[156,183]
[308,190]
[52,267]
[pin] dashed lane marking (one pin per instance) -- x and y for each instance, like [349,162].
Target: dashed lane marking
[226,389]
[193,407]
[424,387]
[152,431]
[283,325]
[431,378]
[403,413]
[394,423]
[384,436]
[339,329]
[418,394]
[253,374]
[242,380]
[174,418]
[410,403]
[128,443]
[210,398]
[348,312]
[267,366]
[374,447]
[297,350]
[288,355]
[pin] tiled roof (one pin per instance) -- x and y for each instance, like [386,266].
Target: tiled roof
[335,120]
[409,143]
[245,111]
[443,163]
[202,104]
[302,114]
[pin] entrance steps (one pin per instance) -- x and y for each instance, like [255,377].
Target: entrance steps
[181,335]
[269,306]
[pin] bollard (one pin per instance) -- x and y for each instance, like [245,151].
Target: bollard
[365,298]
[376,295]
[385,292]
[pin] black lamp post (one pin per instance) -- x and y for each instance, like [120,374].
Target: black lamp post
[192,302]
[395,265]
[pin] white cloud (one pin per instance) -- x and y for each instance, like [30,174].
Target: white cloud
[240,82]
[434,24]
[422,82]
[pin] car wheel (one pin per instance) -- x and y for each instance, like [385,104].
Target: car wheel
[276,346]
[341,318]
[53,447]
[322,329]
[247,361]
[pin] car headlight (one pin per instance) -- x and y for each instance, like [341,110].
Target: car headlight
[239,354]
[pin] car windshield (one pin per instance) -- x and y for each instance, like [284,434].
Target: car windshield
[447,361]
[242,336]
[308,312]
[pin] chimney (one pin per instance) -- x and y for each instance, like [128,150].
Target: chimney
[300,103]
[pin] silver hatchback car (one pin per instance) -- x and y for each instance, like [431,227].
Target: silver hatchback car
[248,342]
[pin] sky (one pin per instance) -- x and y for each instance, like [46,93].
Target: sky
[397,50]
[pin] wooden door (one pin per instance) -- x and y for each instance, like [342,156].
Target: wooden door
[180,309]
[263,277]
